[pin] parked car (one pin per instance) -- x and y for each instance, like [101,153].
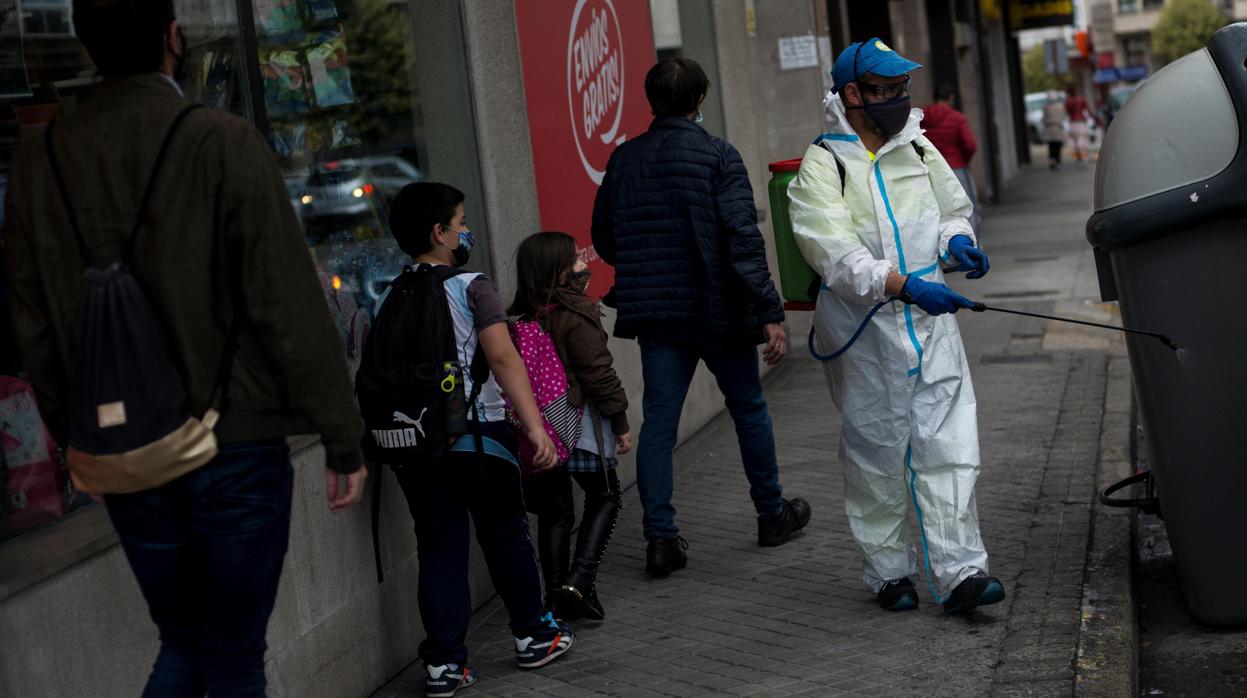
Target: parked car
[390,173]
[1117,99]
[342,194]
[1035,102]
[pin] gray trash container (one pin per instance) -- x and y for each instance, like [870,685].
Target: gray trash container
[1170,237]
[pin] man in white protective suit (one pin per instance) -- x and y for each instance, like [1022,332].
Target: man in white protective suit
[879,215]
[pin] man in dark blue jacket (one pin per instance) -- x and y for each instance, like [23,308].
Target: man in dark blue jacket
[675,217]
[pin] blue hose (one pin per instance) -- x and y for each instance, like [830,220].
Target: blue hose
[860,328]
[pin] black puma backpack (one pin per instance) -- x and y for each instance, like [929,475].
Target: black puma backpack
[410,380]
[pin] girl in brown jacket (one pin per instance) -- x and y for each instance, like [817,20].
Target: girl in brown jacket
[551,290]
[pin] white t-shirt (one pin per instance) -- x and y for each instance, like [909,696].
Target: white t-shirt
[475,304]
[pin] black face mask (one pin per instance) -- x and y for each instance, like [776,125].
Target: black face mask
[179,65]
[577,281]
[890,116]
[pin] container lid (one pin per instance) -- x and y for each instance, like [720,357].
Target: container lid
[1178,128]
[785,165]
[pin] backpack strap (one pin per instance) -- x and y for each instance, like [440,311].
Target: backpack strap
[60,186]
[479,370]
[128,244]
[128,251]
[922,155]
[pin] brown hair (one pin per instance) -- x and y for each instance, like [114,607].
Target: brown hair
[541,260]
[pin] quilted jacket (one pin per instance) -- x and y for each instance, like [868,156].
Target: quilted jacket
[675,217]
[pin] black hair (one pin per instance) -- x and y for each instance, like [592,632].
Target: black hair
[945,91]
[417,208]
[540,263]
[675,87]
[123,37]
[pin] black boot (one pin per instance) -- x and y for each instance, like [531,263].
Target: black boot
[555,517]
[579,598]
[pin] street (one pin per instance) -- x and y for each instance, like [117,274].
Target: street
[741,620]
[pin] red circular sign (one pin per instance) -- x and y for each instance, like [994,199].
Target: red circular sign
[595,83]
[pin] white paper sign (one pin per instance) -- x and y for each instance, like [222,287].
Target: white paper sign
[798,52]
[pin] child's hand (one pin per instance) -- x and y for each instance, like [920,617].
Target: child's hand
[544,454]
[624,442]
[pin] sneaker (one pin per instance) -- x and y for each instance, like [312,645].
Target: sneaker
[779,530]
[539,650]
[665,555]
[898,595]
[974,591]
[444,680]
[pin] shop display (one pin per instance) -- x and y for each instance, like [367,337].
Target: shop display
[285,83]
[34,486]
[331,76]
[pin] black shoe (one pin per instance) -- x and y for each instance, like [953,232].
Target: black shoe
[665,555]
[777,531]
[898,595]
[578,597]
[975,591]
[573,603]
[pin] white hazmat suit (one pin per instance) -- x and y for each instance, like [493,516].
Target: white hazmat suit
[910,426]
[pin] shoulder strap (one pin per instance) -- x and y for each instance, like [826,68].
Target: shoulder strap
[128,245]
[60,186]
[128,250]
[826,144]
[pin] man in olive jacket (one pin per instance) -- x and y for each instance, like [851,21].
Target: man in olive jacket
[219,243]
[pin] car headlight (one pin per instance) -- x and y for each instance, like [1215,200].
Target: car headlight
[306,199]
[357,193]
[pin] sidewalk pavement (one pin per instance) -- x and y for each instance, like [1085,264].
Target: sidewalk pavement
[744,620]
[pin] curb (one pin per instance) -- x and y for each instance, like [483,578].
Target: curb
[1107,662]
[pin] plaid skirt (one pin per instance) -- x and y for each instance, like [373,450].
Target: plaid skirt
[582,461]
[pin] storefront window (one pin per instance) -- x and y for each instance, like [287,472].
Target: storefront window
[357,97]
[345,113]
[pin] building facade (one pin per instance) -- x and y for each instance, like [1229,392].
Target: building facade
[1123,32]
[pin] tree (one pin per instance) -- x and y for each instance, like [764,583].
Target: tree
[1034,72]
[1184,26]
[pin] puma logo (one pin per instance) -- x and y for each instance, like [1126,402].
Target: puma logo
[404,419]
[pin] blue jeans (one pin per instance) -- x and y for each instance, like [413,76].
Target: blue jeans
[667,366]
[207,551]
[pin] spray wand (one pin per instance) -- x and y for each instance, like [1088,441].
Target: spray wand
[980,307]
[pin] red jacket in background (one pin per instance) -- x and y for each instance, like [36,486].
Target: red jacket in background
[949,131]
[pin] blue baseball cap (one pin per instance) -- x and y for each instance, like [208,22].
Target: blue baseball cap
[872,56]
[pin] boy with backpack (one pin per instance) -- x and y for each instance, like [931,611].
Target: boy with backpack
[551,299]
[430,387]
[155,268]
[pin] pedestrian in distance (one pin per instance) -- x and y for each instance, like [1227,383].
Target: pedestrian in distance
[479,474]
[141,221]
[1054,128]
[675,216]
[552,282]
[875,210]
[1080,116]
[949,131]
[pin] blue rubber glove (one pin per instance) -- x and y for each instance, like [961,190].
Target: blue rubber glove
[934,298]
[969,258]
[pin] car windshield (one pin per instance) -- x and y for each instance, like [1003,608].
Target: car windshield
[334,176]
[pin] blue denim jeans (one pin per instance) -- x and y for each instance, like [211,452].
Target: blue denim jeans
[207,551]
[667,365]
